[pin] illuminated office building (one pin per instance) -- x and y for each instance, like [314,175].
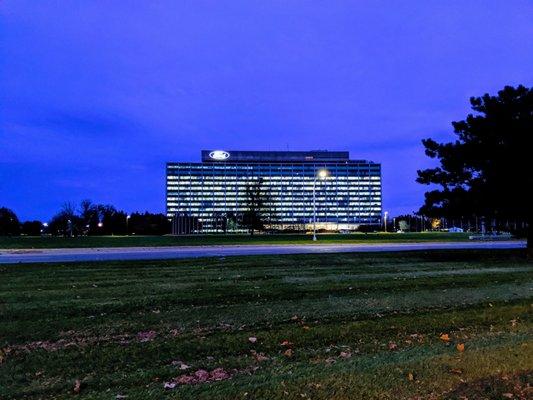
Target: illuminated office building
[347,193]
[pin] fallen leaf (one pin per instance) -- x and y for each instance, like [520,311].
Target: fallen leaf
[259,356]
[294,318]
[169,385]
[460,347]
[305,327]
[445,337]
[288,353]
[456,371]
[181,365]
[345,354]
[147,336]
[508,395]
[392,346]
[286,343]
[199,376]
[252,339]
[186,380]
[77,386]
[202,375]
[410,376]
[219,374]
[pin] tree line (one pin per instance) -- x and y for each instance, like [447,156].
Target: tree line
[87,219]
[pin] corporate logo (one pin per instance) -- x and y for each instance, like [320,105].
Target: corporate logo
[219,155]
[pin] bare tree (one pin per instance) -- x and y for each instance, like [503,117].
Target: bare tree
[257,206]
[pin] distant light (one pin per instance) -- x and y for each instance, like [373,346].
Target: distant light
[323,173]
[45,224]
[100,224]
[128,216]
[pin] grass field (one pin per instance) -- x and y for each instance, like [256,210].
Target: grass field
[37,242]
[345,326]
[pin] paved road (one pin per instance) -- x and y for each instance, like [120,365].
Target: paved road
[162,253]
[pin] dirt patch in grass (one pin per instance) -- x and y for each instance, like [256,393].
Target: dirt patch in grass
[79,340]
[517,386]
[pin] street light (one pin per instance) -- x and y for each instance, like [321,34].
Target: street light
[127,224]
[385,220]
[322,174]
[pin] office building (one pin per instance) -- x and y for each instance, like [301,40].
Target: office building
[295,187]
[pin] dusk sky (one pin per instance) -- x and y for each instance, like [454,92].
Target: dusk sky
[95,96]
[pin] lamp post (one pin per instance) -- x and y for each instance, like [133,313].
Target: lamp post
[322,174]
[385,220]
[127,224]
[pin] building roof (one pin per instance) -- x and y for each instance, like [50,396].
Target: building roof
[276,156]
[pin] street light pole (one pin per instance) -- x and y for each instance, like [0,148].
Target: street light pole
[322,174]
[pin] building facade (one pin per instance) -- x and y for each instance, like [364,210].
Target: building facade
[296,186]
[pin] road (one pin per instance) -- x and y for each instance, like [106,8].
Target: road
[164,253]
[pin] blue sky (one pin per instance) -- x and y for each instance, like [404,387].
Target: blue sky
[95,96]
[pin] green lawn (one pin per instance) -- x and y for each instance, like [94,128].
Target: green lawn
[27,242]
[333,326]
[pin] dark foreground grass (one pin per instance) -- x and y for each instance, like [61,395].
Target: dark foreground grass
[38,242]
[346,326]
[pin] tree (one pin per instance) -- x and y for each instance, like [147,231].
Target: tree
[149,224]
[486,171]
[9,222]
[66,222]
[112,221]
[32,228]
[90,215]
[232,221]
[257,206]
